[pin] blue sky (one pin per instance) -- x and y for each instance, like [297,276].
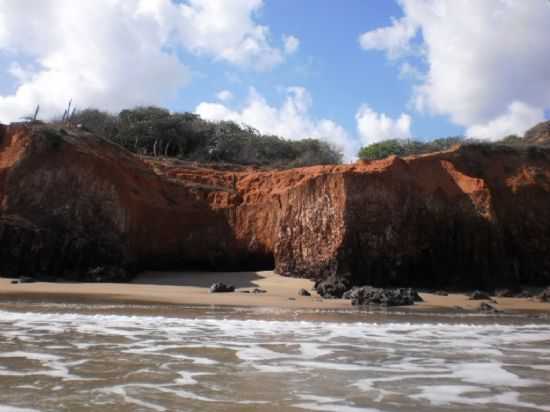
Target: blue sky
[357,72]
[339,75]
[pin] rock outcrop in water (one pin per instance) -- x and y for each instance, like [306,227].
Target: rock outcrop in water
[473,217]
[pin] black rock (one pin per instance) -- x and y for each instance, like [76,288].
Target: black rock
[220,287]
[259,291]
[367,295]
[479,295]
[506,293]
[524,294]
[14,282]
[545,295]
[107,274]
[349,294]
[303,292]
[26,279]
[333,287]
[485,307]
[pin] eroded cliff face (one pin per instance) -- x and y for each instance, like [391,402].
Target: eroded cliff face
[476,216]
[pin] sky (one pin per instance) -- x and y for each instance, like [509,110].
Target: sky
[351,72]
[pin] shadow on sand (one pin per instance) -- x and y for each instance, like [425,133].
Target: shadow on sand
[198,279]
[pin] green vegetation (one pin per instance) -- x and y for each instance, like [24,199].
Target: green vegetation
[154,131]
[406,147]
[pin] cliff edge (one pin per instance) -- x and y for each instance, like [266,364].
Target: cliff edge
[476,216]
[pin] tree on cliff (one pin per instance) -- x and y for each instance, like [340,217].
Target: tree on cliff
[154,131]
[406,147]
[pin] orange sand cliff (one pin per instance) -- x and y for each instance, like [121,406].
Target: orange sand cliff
[475,216]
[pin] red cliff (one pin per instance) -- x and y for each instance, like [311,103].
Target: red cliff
[476,216]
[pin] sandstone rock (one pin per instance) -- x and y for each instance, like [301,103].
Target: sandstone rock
[367,295]
[303,292]
[473,217]
[220,287]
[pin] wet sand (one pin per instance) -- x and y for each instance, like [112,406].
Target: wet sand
[191,288]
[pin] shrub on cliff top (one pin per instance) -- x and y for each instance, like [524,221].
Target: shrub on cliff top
[154,131]
[406,147]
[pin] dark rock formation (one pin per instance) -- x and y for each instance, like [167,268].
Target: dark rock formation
[479,295]
[485,307]
[220,287]
[475,217]
[333,287]
[545,295]
[367,295]
[303,292]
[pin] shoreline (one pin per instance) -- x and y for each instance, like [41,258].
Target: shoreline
[191,288]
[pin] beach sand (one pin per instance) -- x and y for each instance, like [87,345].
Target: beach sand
[191,288]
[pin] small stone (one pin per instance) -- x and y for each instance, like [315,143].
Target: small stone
[220,287]
[259,291]
[291,298]
[303,292]
[26,279]
[479,295]
[441,293]
[485,307]
[14,282]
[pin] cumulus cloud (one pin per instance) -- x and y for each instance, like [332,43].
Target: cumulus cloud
[99,54]
[291,44]
[226,30]
[516,120]
[395,39]
[487,60]
[374,127]
[118,53]
[292,119]
[224,95]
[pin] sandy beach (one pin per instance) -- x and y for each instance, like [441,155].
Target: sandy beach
[191,288]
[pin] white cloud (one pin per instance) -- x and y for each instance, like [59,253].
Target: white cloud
[291,120]
[226,30]
[118,53]
[98,54]
[374,127]
[518,118]
[394,39]
[292,44]
[224,95]
[484,58]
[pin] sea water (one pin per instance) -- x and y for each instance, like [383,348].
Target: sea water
[124,358]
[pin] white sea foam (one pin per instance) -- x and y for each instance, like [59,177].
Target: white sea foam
[6,408]
[150,361]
